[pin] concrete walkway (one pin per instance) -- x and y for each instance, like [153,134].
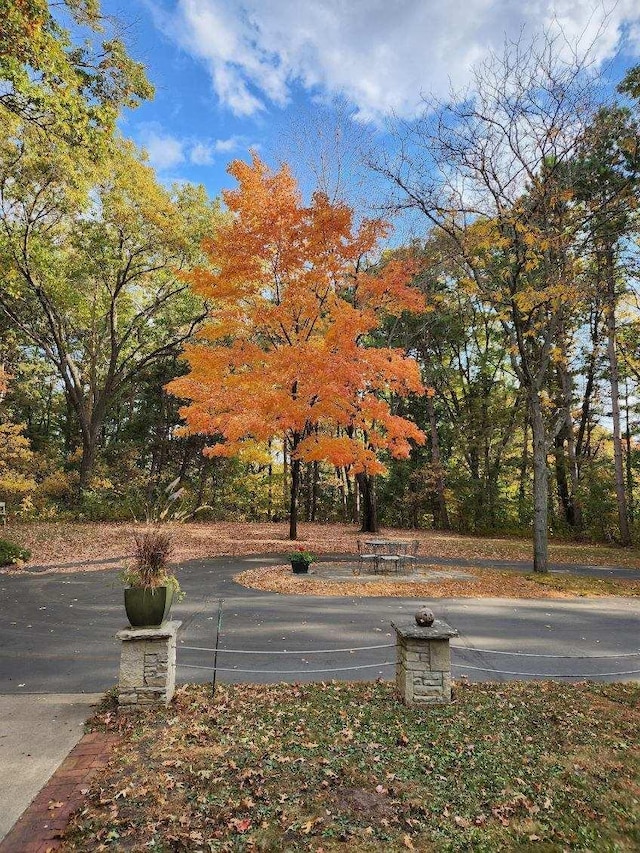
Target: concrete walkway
[36,734]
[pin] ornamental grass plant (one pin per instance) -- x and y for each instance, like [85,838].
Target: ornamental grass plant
[150,567]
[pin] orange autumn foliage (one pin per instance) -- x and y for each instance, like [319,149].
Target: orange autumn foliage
[292,303]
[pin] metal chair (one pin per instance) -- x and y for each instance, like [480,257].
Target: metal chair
[366,557]
[391,560]
[410,558]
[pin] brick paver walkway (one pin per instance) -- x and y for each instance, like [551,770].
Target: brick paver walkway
[41,825]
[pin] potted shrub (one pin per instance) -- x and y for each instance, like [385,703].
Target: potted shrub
[300,561]
[150,585]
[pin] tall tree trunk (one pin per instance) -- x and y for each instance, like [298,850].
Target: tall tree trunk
[540,485]
[489,487]
[70,427]
[524,466]
[623,521]
[293,498]
[574,514]
[91,425]
[574,474]
[89,453]
[315,484]
[476,485]
[367,489]
[286,493]
[562,485]
[443,516]
[308,470]
[628,452]
[590,373]
[356,499]
[345,489]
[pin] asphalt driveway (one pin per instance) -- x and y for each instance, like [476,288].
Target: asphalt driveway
[57,632]
[57,647]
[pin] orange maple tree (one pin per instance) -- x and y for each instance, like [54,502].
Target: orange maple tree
[293,302]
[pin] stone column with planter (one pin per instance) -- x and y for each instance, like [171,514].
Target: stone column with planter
[147,665]
[423,663]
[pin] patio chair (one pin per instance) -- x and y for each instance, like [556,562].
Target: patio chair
[409,559]
[393,560]
[365,557]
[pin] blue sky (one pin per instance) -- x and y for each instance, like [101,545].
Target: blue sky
[231,74]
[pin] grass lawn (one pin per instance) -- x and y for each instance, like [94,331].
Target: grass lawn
[326,767]
[68,546]
[484,583]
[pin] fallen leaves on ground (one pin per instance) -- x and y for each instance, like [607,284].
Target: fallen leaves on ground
[265,767]
[72,546]
[484,583]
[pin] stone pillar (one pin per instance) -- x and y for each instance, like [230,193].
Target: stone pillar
[423,663]
[147,665]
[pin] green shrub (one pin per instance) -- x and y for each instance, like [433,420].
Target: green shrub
[11,553]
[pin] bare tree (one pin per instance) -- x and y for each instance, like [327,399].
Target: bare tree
[490,169]
[326,146]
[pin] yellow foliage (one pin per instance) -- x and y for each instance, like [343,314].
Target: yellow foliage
[56,485]
[100,484]
[15,460]
[256,452]
[27,506]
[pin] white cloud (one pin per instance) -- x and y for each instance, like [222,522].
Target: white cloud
[165,151]
[379,54]
[634,38]
[224,146]
[201,154]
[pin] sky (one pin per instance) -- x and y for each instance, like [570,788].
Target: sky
[231,75]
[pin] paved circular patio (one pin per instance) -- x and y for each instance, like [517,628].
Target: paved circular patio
[350,570]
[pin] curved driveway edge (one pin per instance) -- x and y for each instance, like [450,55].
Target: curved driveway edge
[57,632]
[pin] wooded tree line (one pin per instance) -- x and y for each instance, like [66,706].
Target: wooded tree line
[482,378]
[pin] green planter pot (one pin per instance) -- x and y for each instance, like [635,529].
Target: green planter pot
[300,567]
[147,608]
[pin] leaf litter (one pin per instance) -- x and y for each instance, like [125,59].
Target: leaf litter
[483,583]
[72,546]
[343,766]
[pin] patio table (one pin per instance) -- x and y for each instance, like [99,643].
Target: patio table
[389,546]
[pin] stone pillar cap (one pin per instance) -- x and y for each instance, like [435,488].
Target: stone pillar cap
[408,630]
[167,629]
